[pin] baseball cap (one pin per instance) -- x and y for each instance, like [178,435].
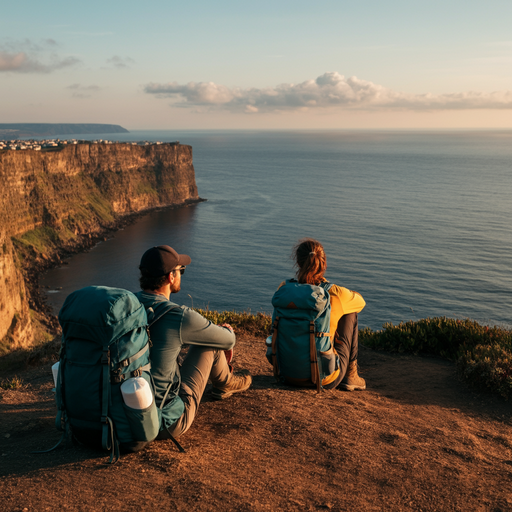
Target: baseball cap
[159,261]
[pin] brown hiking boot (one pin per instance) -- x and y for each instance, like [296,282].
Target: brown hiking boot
[352,380]
[236,384]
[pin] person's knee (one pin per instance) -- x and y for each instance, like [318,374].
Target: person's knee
[347,326]
[350,318]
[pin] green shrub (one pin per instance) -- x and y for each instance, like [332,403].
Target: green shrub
[483,354]
[488,367]
[258,324]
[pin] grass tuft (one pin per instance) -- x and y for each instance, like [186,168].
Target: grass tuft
[12,383]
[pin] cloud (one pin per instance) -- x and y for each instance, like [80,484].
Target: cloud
[29,57]
[120,62]
[91,34]
[83,91]
[329,90]
[22,63]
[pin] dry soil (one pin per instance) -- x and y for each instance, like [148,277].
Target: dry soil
[416,439]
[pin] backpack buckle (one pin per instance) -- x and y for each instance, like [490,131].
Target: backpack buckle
[116,376]
[105,357]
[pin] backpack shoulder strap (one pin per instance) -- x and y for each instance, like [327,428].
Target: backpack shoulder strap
[154,314]
[326,285]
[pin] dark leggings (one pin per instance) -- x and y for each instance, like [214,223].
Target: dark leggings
[345,343]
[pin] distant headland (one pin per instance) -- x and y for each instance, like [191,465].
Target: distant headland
[16,130]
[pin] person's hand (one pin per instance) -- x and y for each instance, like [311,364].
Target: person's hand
[228,327]
[229,355]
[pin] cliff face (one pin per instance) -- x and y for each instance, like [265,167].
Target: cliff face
[50,201]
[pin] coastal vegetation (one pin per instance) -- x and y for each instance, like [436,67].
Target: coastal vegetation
[257,325]
[483,354]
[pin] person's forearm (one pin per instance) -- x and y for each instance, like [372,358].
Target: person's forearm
[197,330]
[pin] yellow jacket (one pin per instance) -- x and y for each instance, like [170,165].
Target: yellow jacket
[343,302]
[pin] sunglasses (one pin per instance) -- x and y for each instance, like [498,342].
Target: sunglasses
[181,270]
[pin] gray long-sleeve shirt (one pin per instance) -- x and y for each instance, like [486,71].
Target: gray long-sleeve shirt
[179,326]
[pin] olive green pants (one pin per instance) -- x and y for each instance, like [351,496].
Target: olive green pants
[200,364]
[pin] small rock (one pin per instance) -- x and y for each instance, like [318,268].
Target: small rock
[7,435]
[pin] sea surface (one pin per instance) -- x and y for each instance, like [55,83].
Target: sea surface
[419,223]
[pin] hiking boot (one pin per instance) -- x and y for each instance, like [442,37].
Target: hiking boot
[352,380]
[236,384]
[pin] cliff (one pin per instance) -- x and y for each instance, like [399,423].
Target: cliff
[57,201]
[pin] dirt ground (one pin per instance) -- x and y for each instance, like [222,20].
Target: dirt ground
[416,439]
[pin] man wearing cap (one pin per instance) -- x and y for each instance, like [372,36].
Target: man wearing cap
[211,346]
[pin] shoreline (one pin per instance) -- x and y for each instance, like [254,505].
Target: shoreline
[33,272]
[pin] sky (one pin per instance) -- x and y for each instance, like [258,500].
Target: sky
[258,65]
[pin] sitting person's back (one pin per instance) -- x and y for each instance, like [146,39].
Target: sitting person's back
[330,344]
[178,389]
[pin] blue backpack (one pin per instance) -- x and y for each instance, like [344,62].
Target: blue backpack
[104,342]
[301,347]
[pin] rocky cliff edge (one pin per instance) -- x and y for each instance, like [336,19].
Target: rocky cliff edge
[54,202]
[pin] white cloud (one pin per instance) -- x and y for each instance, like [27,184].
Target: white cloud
[120,62]
[12,62]
[327,91]
[202,93]
[83,91]
[29,57]
[22,63]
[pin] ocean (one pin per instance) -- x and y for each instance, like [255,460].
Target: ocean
[419,223]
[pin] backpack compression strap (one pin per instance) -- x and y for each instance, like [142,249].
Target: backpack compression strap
[315,372]
[116,375]
[274,349]
[108,435]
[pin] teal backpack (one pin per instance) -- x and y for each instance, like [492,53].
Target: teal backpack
[301,347]
[104,342]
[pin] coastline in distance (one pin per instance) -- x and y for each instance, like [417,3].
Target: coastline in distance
[16,130]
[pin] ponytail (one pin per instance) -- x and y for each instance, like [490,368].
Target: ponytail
[310,261]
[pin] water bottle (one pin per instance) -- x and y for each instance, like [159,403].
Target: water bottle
[137,393]
[55,371]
